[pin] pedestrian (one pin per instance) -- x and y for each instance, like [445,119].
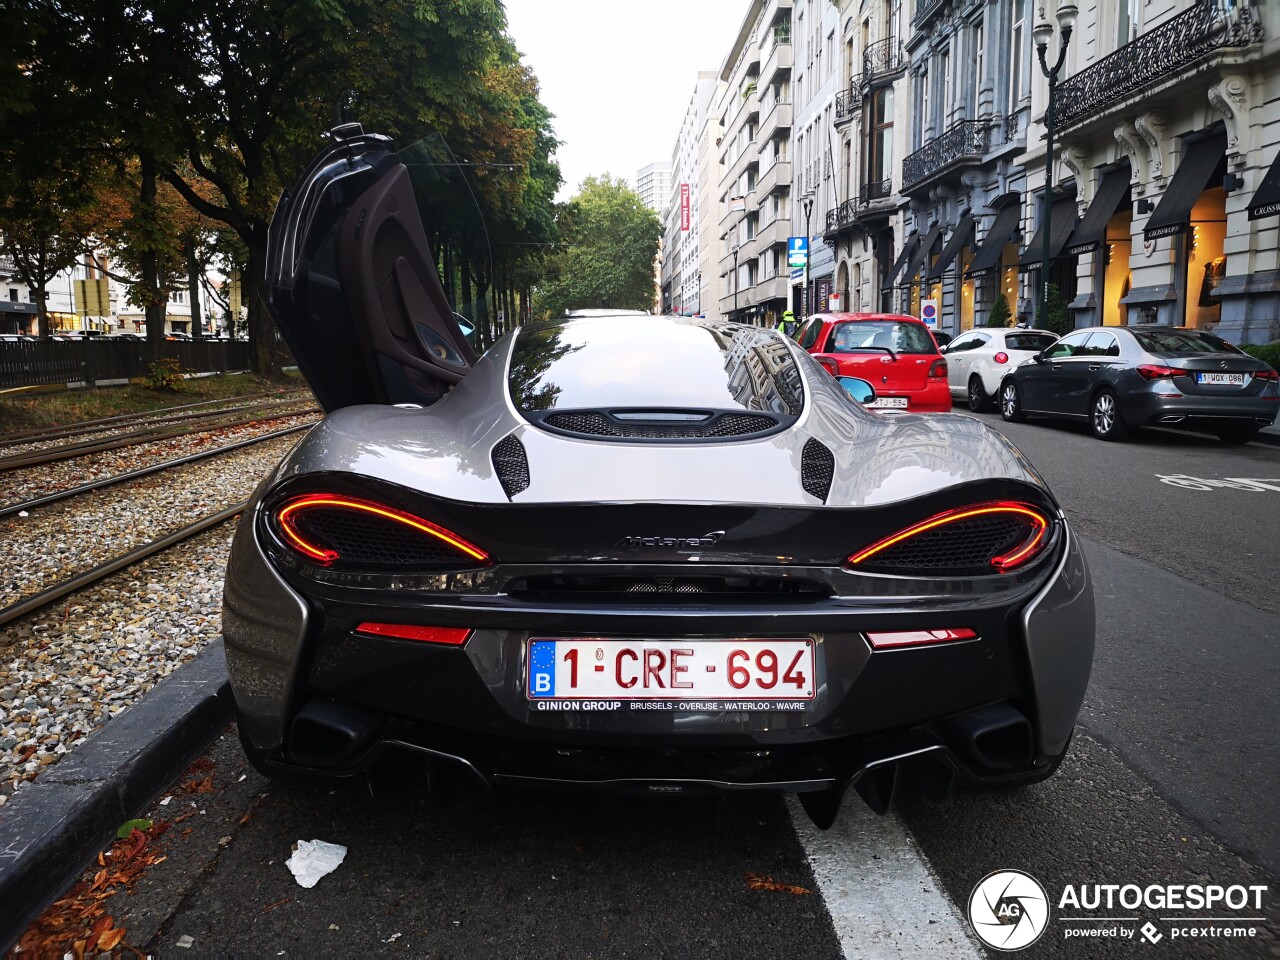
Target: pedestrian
[788,323]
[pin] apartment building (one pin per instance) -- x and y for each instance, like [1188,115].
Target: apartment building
[681,258]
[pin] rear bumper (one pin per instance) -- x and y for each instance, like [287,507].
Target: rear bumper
[935,397]
[1151,409]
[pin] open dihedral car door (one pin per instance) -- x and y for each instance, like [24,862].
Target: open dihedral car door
[351,279]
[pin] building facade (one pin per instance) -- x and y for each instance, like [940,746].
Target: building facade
[681,258]
[653,184]
[711,282]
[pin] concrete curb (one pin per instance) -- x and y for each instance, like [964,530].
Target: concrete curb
[53,828]
[1269,436]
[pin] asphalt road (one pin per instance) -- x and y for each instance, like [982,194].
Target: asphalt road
[1171,779]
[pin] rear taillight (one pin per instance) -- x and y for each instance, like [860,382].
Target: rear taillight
[889,639]
[830,366]
[1001,357]
[939,368]
[330,529]
[449,636]
[1158,371]
[1268,374]
[996,537]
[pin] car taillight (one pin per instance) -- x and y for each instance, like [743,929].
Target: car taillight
[996,537]
[830,366]
[938,368]
[449,636]
[1001,357]
[1158,371]
[889,639]
[1268,374]
[332,529]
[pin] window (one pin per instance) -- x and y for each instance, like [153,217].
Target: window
[1015,65]
[1124,23]
[880,158]
[970,341]
[1068,346]
[809,335]
[979,56]
[881,336]
[13,294]
[946,84]
[926,120]
[1100,345]
[1034,342]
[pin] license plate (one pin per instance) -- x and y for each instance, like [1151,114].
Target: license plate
[1222,379]
[895,402]
[598,669]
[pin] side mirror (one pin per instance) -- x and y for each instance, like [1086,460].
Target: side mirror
[467,327]
[1039,357]
[860,390]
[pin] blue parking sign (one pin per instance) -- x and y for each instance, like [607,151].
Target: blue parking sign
[797,251]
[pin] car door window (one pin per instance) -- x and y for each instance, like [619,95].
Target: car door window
[1035,342]
[1068,346]
[1101,345]
[969,341]
[809,336]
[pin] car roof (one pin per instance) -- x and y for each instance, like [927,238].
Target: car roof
[878,317]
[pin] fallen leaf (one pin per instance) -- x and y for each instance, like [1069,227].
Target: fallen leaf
[112,939]
[757,882]
[279,903]
[129,826]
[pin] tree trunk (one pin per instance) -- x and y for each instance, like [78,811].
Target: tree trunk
[262,331]
[193,288]
[42,313]
[149,263]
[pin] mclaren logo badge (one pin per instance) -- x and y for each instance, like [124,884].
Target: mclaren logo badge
[679,543]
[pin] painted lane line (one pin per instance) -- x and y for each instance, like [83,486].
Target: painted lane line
[1250,484]
[884,901]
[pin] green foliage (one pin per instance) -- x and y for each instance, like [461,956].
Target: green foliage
[1054,314]
[165,374]
[609,242]
[1266,352]
[1000,315]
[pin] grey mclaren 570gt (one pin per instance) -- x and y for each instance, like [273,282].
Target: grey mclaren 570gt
[624,552]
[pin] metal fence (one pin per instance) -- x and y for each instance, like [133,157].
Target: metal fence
[36,363]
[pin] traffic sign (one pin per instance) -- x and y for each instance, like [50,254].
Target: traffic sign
[929,312]
[797,251]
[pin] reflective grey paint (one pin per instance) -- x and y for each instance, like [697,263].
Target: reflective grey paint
[1059,626]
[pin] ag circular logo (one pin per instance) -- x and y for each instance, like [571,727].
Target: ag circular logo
[1009,910]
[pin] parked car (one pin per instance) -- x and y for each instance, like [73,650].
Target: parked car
[978,360]
[941,337]
[625,552]
[896,354]
[1119,378]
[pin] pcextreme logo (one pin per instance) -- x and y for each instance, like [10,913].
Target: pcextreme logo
[1009,910]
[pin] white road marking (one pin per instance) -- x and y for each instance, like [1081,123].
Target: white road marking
[1227,483]
[883,899]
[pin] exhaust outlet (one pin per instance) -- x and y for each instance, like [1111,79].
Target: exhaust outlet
[325,734]
[1172,419]
[995,738]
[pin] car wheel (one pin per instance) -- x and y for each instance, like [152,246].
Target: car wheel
[1237,434]
[1105,417]
[1010,402]
[978,399]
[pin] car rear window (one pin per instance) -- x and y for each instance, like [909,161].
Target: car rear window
[1028,341]
[1182,341]
[875,335]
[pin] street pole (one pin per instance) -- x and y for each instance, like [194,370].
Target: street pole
[1042,33]
[735,283]
[807,202]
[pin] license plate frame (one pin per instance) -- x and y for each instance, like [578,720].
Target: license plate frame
[793,656]
[888,403]
[1215,379]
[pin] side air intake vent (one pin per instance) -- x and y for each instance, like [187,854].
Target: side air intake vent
[658,425]
[511,465]
[817,466]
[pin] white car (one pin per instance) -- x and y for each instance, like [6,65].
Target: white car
[978,360]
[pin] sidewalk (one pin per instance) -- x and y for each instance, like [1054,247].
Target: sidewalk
[1270,435]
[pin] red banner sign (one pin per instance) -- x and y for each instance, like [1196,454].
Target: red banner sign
[684,206]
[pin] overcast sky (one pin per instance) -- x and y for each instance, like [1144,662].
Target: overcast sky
[618,76]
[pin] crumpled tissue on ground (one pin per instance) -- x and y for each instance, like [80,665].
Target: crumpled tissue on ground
[313,859]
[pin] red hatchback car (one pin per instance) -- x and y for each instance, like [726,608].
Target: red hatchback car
[894,353]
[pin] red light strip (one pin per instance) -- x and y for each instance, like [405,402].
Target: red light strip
[450,636]
[1001,563]
[887,640]
[285,517]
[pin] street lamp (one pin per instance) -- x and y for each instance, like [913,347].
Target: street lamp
[735,280]
[807,203]
[1042,33]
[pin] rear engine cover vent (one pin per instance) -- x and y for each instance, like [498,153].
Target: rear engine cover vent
[660,425]
[511,465]
[817,467]
[695,590]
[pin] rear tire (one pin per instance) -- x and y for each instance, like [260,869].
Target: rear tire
[1105,417]
[1237,434]
[979,401]
[1011,403]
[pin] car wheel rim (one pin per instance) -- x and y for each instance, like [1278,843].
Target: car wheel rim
[1104,413]
[973,393]
[1010,401]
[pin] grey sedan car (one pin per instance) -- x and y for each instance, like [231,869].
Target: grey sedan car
[1120,378]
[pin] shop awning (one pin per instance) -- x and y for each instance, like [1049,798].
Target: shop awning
[960,237]
[1173,213]
[922,253]
[994,242]
[1063,225]
[1093,228]
[908,248]
[1266,202]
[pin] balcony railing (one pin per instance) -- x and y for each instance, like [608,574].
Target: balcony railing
[882,58]
[876,190]
[846,104]
[1156,55]
[925,9]
[841,216]
[963,141]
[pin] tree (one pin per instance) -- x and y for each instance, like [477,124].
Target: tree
[1054,314]
[610,241]
[1000,315]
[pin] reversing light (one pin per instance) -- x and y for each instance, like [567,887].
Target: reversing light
[1026,549]
[1158,371]
[1001,357]
[287,519]
[889,639]
[449,636]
